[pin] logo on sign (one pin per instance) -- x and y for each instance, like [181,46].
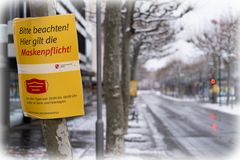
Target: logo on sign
[36,86]
[57,66]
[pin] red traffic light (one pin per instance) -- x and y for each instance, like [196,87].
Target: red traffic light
[213,81]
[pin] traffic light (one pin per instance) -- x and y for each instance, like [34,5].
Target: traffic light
[213,81]
[214,86]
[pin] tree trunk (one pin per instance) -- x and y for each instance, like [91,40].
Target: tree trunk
[126,40]
[55,133]
[112,90]
[237,85]
[55,130]
[228,82]
[134,63]
[215,66]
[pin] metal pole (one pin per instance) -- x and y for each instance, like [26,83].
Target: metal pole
[219,79]
[24,8]
[99,122]
[4,79]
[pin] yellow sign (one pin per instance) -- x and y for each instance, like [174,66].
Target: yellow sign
[215,88]
[48,66]
[133,88]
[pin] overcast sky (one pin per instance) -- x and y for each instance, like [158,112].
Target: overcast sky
[196,22]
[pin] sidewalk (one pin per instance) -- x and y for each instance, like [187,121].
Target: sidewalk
[141,142]
[26,141]
[16,114]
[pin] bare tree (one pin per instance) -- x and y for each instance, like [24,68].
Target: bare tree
[220,44]
[182,78]
[127,32]
[153,31]
[153,37]
[112,89]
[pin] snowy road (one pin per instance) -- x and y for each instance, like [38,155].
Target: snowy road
[186,130]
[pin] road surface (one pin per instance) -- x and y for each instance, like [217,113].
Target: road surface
[185,130]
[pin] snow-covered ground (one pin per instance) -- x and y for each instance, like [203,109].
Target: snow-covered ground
[148,133]
[16,114]
[233,109]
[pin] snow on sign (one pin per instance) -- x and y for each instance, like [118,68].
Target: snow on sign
[50,82]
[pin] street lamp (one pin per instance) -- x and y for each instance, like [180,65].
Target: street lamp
[99,122]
